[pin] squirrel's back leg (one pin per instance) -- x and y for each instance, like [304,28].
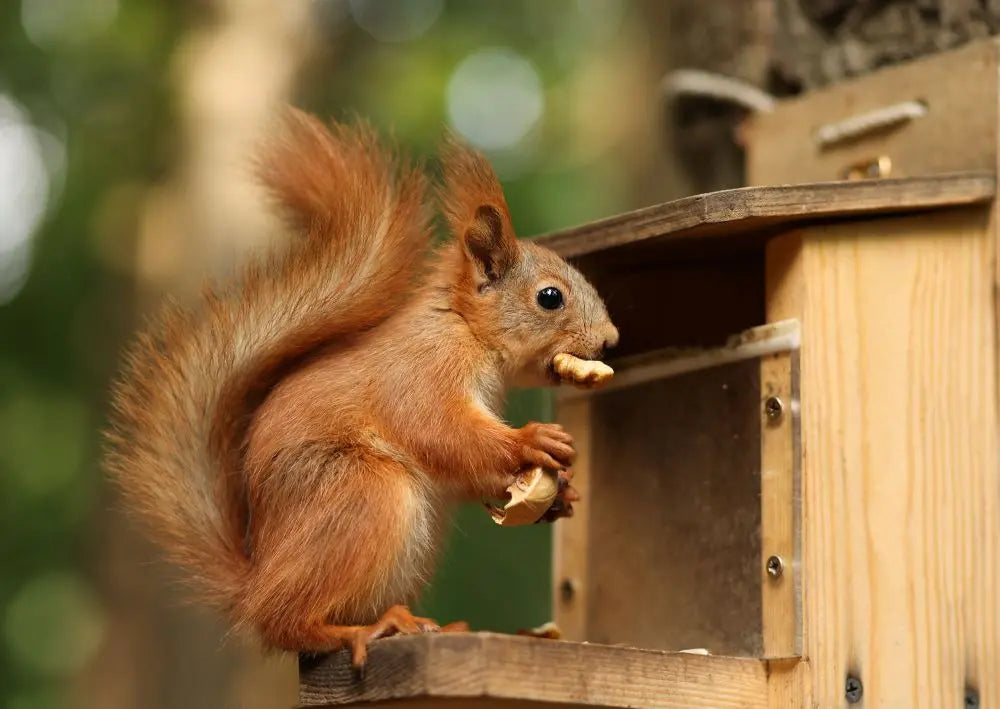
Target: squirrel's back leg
[337,547]
[396,620]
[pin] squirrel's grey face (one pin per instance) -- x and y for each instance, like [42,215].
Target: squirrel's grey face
[549,308]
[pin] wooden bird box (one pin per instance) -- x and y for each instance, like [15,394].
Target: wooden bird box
[796,466]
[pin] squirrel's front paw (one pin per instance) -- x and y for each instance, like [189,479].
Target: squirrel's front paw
[545,444]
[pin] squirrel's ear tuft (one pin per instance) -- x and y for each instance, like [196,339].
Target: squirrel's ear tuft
[473,203]
[491,248]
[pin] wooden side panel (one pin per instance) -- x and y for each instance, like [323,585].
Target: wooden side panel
[901,525]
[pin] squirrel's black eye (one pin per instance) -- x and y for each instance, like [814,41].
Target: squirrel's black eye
[550,298]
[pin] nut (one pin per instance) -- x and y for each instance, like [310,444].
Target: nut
[531,495]
[582,372]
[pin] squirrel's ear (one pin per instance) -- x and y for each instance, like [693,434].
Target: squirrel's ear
[490,247]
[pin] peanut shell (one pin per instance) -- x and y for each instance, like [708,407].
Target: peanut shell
[531,495]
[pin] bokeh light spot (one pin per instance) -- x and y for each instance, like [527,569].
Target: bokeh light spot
[494,98]
[53,22]
[396,21]
[26,157]
[54,624]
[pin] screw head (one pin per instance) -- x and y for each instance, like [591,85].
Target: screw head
[775,566]
[773,409]
[853,690]
[971,699]
[567,589]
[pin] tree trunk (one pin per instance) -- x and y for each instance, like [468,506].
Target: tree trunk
[818,42]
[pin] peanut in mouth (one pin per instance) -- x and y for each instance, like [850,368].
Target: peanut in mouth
[584,373]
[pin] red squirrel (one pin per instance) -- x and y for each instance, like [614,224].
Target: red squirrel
[295,440]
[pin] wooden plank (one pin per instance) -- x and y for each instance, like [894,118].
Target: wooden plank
[570,573]
[467,703]
[484,665]
[901,518]
[746,211]
[958,132]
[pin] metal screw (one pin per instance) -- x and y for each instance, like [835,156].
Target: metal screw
[971,699]
[773,409]
[853,690]
[775,566]
[567,589]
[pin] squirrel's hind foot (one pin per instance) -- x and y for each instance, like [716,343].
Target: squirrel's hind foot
[398,620]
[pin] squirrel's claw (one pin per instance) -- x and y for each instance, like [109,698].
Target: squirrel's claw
[398,620]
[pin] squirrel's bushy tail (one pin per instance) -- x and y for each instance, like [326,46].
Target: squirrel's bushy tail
[191,382]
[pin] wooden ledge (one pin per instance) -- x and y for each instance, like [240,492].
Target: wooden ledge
[501,669]
[733,212]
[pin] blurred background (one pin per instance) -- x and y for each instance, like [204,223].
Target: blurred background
[125,131]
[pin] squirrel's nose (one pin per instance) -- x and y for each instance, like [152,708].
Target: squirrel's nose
[610,337]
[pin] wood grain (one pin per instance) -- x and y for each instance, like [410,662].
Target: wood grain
[745,212]
[901,518]
[570,570]
[788,685]
[958,133]
[499,667]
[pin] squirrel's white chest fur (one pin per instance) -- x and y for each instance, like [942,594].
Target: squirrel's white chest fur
[426,507]
[425,517]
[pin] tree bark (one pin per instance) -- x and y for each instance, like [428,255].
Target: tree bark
[818,42]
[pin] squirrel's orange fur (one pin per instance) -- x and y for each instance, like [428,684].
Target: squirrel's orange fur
[296,440]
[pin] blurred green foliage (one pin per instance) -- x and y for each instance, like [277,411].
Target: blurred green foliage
[108,103]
